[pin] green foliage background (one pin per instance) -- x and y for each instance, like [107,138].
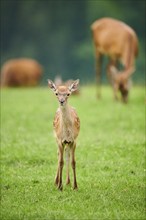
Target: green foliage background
[57,33]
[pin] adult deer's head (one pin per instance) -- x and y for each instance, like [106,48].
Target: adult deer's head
[121,81]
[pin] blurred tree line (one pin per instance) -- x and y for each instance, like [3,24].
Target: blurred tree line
[57,33]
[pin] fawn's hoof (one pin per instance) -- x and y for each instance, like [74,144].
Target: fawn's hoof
[60,187]
[75,188]
[56,183]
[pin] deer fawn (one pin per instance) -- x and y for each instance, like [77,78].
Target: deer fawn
[66,128]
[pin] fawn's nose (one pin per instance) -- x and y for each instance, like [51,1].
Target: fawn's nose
[62,102]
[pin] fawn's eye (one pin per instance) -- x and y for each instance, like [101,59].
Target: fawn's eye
[68,94]
[56,94]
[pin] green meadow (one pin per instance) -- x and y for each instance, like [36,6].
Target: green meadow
[110,157]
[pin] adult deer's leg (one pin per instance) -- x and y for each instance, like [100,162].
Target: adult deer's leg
[98,72]
[60,165]
[67,152]
[73,163]
[112,73]
[115,89]
[112,70]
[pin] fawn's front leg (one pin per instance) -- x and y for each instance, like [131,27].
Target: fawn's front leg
[73,163]
[60,166]
[67,152]
[57,174]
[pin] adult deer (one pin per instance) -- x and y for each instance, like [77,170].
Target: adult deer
[119,42]
[21,72]
[66,129]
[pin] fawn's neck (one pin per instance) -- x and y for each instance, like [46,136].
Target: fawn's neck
[66,114]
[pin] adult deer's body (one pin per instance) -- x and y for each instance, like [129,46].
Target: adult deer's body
[66,128]
[119,42]
[21,72]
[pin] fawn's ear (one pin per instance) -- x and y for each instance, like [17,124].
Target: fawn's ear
[51,85]
[74,86]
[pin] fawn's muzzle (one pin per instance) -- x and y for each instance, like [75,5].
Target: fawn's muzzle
[62,102]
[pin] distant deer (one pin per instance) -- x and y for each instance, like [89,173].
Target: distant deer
[119,42]
[66,128]
[21,72]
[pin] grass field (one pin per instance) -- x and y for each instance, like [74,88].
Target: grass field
[110,157]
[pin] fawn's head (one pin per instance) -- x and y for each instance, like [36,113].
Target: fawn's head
[63,92]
